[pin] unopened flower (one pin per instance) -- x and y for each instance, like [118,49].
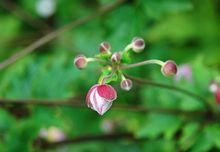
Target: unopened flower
[217,96]
[126,84]
[184,72]
[52,134]
[116,57]
[138,44]
[80,61]
[100,98]
[214,86]
[105,47]
[169,68]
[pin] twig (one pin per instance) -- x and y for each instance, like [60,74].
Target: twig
[47,38]
[76,104]
[166,86]
[25,16]
[42,144]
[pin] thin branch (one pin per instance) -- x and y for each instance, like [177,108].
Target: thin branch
[25,16]
[47,38]
[77,103]
[42,144]
[166,86]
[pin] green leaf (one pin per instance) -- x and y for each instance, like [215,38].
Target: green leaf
[158,124]
[189,135]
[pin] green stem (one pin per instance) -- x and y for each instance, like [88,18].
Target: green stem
[98,60]
[153,61]
[107,76]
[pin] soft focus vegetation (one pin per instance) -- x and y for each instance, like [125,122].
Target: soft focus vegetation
[186,31]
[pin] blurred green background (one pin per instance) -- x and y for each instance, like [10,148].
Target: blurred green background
[186,31]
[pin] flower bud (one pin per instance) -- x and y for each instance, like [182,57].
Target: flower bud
[126,84]
[116,57]
[169,68]
[80,61]
[213,87]
[138,44]
[217,96]
[100,98]
[104,47]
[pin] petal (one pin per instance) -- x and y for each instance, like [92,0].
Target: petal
[105,107]
[107,92]
[89,95]
[100,104]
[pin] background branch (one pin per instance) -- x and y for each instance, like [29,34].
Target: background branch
[40,143]
[47,38]
[23,15]
[77,103]
[166,86]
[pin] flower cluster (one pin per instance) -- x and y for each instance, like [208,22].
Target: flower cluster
[101,96]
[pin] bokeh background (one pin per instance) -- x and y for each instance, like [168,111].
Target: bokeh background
[186,31]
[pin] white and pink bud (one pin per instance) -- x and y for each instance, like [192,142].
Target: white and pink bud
[100,98]
[138,44]
[169,68]
[116,57]
[105,47]
[80,61]
[126,84]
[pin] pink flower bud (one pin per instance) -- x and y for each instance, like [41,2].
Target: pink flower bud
[138,44]
[80,61]
[126,84]
[116,57]
[100,98]
[104,47]
[169,68]
[217,96]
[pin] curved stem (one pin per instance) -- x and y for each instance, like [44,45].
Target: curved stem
[153,61]
[107,76]
[98,60]
[127,48]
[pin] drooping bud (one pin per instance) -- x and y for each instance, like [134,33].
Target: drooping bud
[214,86]
[80,61]
[100,98]
[126,84]
[217,96]
[169,68]
[138,44]
[105,47]
[116,57]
